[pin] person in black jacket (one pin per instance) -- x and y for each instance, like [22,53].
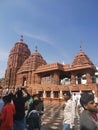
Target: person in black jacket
[19,100]
[37,97]
[33,117]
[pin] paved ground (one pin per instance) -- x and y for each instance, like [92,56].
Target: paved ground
[53,116]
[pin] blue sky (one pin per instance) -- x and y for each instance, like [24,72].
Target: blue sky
[55,26]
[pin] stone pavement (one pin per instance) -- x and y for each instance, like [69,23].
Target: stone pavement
[53,115]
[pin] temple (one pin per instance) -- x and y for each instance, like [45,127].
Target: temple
[50,80]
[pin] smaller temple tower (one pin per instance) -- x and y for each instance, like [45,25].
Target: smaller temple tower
[26,75]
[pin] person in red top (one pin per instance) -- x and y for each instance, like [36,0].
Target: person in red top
[7,113]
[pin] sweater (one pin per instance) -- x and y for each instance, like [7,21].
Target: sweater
[7,114]
[87,122]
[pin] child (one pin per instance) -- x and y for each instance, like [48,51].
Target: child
[33,117]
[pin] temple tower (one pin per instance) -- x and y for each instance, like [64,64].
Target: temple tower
[18,54]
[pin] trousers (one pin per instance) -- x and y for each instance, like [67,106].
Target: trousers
[66,127]
[19,124]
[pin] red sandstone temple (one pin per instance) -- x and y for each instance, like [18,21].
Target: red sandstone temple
[50,80]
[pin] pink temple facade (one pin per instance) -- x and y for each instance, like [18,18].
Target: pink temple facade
[50,80]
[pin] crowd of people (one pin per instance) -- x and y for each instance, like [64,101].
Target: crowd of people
[13,108]
[16,115]
[87,111]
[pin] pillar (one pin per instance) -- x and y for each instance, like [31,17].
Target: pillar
[61,94]
[44,94]
[56,78]
[88,78]
[73,79]
[52,94]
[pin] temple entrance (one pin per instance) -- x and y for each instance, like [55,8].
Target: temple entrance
[24,81]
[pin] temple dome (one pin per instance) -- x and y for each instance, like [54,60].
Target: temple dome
[33,62]
[18,54]
[81,59]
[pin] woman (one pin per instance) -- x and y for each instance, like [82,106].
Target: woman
[7,113]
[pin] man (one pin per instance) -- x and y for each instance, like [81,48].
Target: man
[19,100]
[87,121]
[69,111]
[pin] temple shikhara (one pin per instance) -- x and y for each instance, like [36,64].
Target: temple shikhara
[50,80]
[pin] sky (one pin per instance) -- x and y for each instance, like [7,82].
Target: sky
[56,27]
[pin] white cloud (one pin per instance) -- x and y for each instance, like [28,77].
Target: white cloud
[43,38]
[38,37]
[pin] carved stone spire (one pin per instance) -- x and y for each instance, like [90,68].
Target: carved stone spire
[81,45]
[36,48]
[21,39]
